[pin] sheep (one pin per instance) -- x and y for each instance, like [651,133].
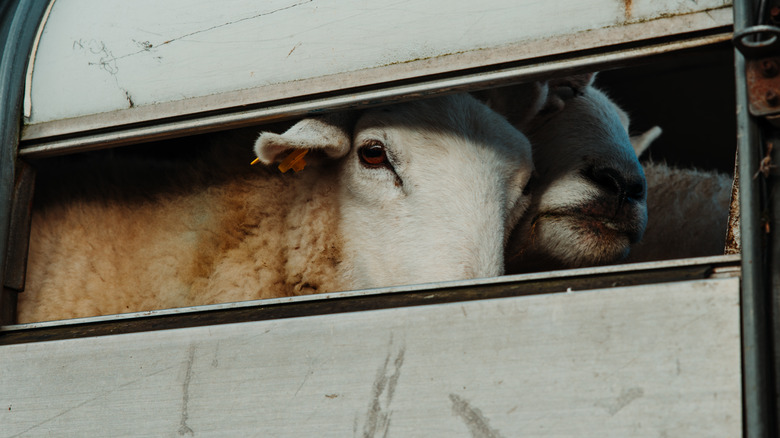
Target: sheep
[409,193]
[688,209]
[589,196]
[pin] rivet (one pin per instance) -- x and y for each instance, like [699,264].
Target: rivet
[772,98]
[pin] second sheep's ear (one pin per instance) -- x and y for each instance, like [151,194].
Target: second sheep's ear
[561,90]
[576,83]
[643,141]
[518,103]
[331,134]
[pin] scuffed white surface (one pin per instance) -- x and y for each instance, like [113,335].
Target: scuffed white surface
[646,361]
[97,56]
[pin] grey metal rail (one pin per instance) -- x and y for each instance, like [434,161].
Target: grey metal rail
[757,353]
[382,298]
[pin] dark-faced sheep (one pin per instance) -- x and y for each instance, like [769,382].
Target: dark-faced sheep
[589,195]
[574,127]
[409,193]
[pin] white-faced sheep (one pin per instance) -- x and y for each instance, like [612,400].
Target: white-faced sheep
[588,198]
[409,193]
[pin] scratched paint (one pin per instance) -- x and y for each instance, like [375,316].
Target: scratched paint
[379,413]
[476,422]
[627,395]
[184,428]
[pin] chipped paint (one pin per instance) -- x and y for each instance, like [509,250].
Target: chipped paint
[129,99]
[293,49]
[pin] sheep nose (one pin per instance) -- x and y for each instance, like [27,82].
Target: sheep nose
[626,187]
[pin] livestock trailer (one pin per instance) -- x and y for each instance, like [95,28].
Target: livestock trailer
[680,347]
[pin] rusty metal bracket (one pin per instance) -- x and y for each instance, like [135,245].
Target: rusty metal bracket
[763,78]
[761,47]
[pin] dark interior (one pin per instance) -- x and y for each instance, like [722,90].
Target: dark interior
[690,95]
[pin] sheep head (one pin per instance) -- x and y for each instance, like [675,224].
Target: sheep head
[427,190]
[589,200]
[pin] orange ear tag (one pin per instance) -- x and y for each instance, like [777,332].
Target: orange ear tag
[294,161]
[255,161]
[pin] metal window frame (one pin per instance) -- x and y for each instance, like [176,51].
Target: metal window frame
[760,256]
[19,21]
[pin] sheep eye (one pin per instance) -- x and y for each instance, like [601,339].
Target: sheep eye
[373,155]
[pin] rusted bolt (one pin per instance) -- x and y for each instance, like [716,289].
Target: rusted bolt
[774,13]
[769,68]
[771,97]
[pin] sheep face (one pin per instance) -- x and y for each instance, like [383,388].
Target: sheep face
[428,190]
[431,190]
[589,202]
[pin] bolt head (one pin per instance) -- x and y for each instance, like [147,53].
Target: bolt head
[774,13]
[772,98]
[769,68]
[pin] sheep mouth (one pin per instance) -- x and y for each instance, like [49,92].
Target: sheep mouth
[567,239]
[594,225]
[594,233]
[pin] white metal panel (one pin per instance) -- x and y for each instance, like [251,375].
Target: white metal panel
[97,57]
[660,360]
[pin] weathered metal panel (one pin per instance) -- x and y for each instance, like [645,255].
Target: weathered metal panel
[146,60]
[660,360]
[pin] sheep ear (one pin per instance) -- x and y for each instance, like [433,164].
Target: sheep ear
[331,134]
[518,103]
[642,142]
[563,89]
[577,83]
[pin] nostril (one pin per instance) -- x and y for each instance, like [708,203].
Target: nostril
[608,179]
[629,189]
[635,190]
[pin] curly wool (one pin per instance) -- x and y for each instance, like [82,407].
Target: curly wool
[212,232]
[687,213]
